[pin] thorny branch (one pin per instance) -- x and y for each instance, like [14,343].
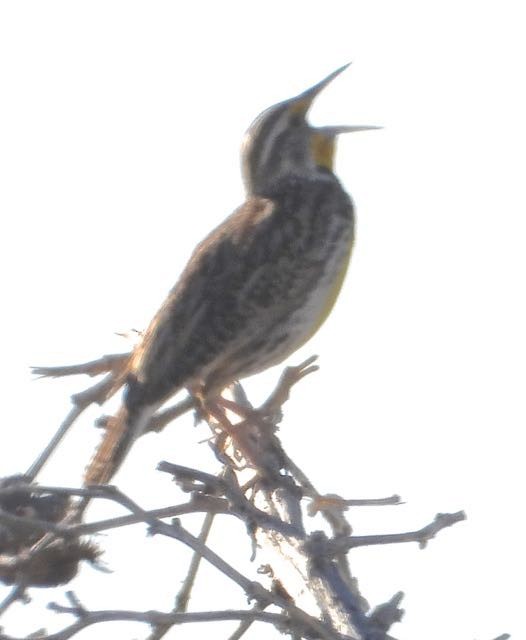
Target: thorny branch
[270,503]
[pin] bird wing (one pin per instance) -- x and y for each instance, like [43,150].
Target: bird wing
[244,278]
[184,335]
[199,315]
[230,305]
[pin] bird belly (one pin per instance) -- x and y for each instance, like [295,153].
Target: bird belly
[281,341]
[306,321]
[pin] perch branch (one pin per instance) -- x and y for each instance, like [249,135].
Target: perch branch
[332,587]
[277,488]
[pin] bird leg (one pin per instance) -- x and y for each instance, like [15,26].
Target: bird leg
[243,438]
[272,406]
[216,417]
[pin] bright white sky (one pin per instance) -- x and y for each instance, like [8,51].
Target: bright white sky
[120,125]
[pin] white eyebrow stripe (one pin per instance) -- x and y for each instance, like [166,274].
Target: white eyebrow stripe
[277,129]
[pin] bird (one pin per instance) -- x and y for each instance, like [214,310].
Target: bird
[258,286]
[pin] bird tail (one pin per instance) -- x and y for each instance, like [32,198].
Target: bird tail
[121,432]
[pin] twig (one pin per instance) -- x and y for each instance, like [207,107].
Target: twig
[183,597]
[278,487]
[289,377]
[197,504]
[328,500]
[115,367]
[25,523]
[243,627]
[79,608]
[241,630]
[18,592]
[422,536]
[374,502]
[240,505]
[253,589]
[160,419]
[97,393]
[385,615]
[153,618]
[39,489]
[109,362]
[66,425]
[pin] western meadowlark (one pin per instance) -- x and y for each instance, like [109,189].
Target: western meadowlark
[258,286]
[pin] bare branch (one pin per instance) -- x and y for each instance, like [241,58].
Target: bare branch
[110,362]
[241,630]
[162,418]
[269,503]
[245,625]
[18,592]
[422,536]
[331,585]
[197,504]
[385,615]
[254,590]
[39,489]
[66,425]
[289,377]
[33,525]
[153,618]
[80,609]
[183,597]
[98,393]
[240,505]
[329,500]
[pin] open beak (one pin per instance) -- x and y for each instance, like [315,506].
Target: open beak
[301,104]
[333,131]
[323,141]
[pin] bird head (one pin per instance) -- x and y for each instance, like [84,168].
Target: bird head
[280,141]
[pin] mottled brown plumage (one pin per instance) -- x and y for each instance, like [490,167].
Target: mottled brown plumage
[257,287]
